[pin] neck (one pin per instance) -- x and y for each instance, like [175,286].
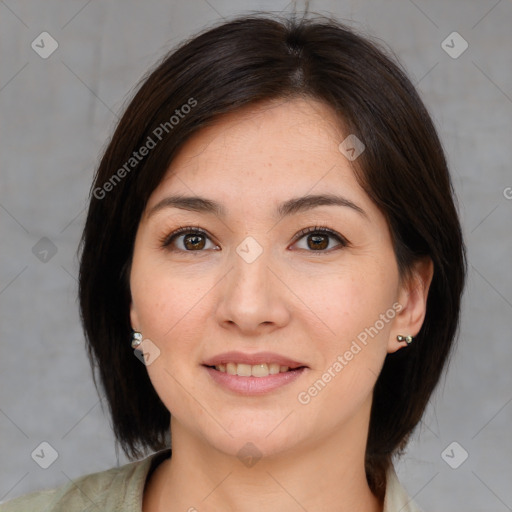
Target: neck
[327,475]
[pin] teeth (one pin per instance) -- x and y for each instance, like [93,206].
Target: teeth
[259,370]
[244,370]
[273,368]
[255,370]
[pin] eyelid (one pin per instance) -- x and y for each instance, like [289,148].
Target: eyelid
[322,229]
[168,239]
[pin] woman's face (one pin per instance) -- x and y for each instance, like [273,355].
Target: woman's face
[247,287]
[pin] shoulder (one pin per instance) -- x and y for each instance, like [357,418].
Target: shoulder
[396,497]
[118,488]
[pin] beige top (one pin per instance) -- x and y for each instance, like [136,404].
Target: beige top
[121,490]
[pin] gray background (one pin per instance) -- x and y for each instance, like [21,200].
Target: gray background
[57,114]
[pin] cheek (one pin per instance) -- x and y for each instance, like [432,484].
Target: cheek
[163,303]
[160,294]
[167,306]
[353,299]
[356,312]
[353,356]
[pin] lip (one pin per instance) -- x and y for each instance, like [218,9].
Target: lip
[252,359]
[250,386]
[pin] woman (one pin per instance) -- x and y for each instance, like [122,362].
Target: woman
[273,227]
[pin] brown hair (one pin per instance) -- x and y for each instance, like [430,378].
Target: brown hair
[403,169]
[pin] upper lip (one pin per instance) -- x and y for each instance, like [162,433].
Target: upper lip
[252,359]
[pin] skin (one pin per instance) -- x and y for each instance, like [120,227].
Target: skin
[303,303]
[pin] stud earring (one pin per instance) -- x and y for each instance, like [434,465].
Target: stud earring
[136,339]
[407,339]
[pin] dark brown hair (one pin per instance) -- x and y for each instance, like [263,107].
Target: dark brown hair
[247,60]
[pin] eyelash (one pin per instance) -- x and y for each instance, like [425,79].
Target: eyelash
[167,240]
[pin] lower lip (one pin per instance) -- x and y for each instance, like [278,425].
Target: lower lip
[253,385]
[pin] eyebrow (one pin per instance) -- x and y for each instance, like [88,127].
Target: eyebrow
[289,207]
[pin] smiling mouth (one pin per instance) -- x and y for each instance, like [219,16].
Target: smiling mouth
[254,370]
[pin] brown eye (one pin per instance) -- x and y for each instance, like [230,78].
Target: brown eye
[318,241]
[186,239]
[193,241]
[318,238]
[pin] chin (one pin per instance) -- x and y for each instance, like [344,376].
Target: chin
[251,448]
[266,439]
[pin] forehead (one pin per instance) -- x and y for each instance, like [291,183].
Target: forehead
[264,153]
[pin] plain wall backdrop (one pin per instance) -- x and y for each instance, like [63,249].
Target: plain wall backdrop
[57,114]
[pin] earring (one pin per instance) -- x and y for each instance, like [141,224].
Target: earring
[407,339]
[136,339]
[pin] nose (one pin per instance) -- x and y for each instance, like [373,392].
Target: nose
[253,297]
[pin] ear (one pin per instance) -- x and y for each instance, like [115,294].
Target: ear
[134,318]
[412,297]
